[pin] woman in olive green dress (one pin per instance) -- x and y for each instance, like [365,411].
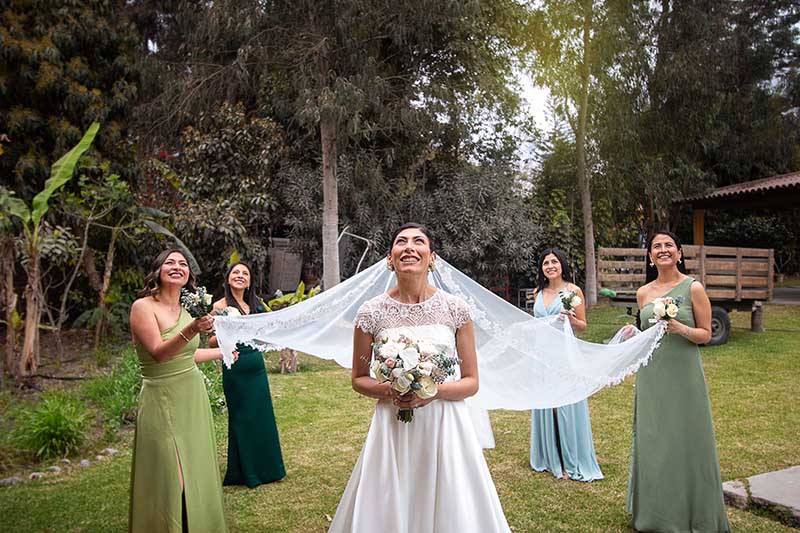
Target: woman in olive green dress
[175,484]
[254,449]
[675,482]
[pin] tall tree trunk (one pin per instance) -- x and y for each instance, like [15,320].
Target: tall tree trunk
[101,300]
[9,252]
[29,360]
[330,193]
[583,176]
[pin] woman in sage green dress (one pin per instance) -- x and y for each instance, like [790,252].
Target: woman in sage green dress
[254,449]
[175,483]
[675,482]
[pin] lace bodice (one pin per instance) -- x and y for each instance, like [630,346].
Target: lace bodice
[383,312]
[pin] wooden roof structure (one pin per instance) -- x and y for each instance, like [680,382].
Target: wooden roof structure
[776,192]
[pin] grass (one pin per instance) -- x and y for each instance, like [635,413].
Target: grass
[323,424]
[789,281]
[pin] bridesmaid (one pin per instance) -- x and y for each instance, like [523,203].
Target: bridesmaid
[175,478]
[675,483]
[254,450]
[561,439]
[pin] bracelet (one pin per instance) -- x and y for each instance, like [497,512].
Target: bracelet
[184,337]
[686,331]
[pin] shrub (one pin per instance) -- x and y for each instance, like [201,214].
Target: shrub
[117,393]
[55,427]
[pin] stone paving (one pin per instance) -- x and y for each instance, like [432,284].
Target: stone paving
[778,491]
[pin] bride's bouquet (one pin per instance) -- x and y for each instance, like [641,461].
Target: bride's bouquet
[197,303]
[570,300]
[411,366]
[665,308]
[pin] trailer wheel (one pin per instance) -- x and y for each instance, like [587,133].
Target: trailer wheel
[720,326]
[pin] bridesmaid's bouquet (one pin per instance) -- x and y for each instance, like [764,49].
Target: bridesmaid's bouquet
[411,366]
[570,300]
[665,308]
[229,311]
[197,303]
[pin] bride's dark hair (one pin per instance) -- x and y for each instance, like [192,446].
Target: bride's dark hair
[651,272]
[413,225]
[152,282]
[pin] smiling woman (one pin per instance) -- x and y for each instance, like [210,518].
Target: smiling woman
[175,482]
[674,450]
[417,469]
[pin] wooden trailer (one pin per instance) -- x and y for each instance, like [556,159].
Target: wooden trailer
[734,278]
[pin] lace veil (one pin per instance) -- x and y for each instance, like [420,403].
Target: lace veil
[523,362]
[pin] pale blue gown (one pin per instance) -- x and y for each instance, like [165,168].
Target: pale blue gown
[574,430]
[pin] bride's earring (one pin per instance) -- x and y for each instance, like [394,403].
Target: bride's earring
[389,266]
[431,266]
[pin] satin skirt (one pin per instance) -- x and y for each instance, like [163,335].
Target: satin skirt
[427,476]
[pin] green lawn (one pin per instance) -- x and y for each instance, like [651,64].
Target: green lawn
[323,423]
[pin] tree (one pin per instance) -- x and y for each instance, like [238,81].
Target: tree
[64,65]
[572,45]
[376,86]
[33,229]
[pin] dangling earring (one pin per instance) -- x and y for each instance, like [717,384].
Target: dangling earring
[652,264]
[431,266]
[679,260]
[389,266]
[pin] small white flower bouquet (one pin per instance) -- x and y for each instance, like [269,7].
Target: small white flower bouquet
[197,303]
[411,366]
[570,300]
[665,308]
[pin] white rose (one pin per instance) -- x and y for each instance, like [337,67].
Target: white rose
[659,309]
[376,370]
[402,384]
[576,301]
[428,389]
[390,349]
[397,372]
[207,299]
[232,311]
[410,357]
[427,349]
[425,368]
[672,310]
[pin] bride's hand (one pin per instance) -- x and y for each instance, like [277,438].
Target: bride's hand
[409,400]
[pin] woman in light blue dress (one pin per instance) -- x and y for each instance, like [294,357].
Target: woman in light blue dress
[561,439]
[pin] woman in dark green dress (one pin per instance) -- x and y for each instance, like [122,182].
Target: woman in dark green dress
[174,478]
[254,449]
[675,482]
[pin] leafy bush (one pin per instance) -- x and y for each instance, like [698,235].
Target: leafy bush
[117,393]
[53,428]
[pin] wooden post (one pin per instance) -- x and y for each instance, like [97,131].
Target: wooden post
[702,258]
[739,268]
[757,317]
[699,226]
[770,274]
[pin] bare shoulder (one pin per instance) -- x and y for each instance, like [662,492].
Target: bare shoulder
[574,288]
[643,292]
[141,305]
[697,288]
[220,304]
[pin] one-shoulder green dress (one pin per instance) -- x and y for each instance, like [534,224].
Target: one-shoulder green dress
[675,482]
[174,426]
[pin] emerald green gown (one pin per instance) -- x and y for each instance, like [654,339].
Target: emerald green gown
[254,449]
[675,482]
[174,424]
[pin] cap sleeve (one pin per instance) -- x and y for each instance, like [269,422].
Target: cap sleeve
[367,318]
[461,311]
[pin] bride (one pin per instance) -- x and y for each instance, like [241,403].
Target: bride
[429,474]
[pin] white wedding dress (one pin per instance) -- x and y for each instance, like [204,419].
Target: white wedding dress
[429,475]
